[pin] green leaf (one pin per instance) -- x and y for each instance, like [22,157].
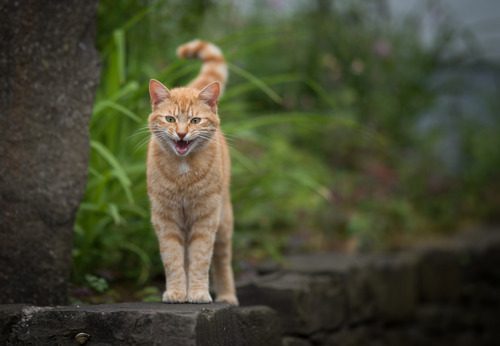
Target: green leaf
[259,83]
[102,105]
[118,169]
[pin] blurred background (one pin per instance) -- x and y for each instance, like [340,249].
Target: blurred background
[354,126]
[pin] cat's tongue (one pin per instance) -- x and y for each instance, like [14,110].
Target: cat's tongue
[181,147]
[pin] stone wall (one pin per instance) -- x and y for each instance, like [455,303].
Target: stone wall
[441,294]
[444,294]
[49,70]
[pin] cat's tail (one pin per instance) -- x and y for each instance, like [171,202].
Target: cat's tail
[214,66]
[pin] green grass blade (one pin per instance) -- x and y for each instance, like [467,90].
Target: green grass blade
[259,83]
[144,259]
[118,169]
[102,105]
[119,41]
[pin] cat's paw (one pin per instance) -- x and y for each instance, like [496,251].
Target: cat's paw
[199,296]
[174,296]
[227,298]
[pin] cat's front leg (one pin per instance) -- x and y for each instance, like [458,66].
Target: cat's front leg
[200,248]
[173,261]
[171,240]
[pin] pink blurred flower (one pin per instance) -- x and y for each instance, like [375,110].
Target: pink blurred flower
[382,48]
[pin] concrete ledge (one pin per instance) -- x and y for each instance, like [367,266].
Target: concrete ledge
[139,324]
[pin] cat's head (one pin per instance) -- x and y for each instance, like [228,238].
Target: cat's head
[183,119]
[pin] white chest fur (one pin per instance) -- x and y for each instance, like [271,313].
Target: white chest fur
[183,167]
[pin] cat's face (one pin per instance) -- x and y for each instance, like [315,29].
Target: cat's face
[183,119]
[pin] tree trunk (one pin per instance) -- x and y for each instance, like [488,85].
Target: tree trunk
[49,70]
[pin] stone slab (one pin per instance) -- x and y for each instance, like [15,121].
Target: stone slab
[305,303]
[139,324]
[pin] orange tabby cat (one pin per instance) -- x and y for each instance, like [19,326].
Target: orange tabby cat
[188,172]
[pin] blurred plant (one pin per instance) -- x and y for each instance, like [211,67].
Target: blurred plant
[149,294]
[323,115]
[96,283]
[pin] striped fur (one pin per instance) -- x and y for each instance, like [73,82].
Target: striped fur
[214,68]
[188,174]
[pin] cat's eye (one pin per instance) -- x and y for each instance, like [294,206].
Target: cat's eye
[195,120]
[169,119]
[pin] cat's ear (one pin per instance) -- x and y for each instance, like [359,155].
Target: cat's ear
[210,95]
[157,92]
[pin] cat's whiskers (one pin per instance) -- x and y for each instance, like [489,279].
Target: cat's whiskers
[229,139]
[141,144]
[203,137]
[144,135]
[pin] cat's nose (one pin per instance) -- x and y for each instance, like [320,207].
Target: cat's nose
[181,135]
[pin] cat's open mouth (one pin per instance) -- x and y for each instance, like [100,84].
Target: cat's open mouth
[182,146]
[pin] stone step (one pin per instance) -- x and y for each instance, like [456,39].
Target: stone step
[139,324]
[321,292]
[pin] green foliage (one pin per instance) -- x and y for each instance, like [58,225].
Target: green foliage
[321,115]
[98,284]
[149,294]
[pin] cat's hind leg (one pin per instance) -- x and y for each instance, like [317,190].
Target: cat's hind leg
[222,272]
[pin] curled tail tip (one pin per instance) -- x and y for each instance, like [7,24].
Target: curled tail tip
[188,49]
[197,48]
